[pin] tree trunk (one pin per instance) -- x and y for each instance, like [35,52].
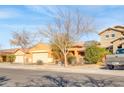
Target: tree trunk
[65,60]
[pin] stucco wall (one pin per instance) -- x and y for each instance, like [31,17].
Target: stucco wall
[39,48]
[27,57]
[105,42]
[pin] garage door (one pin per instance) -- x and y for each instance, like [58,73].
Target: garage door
[19,59]
[40,56]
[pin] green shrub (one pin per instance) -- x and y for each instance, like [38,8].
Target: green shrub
[71,59]
[39,62]
[93,54]
[11,58]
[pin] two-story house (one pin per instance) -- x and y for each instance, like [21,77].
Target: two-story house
[112,38]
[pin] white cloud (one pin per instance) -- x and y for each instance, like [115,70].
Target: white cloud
[14,27]
[50,11]
[8,13]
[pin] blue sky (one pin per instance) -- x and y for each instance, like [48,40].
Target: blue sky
[17,18]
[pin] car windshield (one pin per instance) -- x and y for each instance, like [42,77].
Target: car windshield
[120,51]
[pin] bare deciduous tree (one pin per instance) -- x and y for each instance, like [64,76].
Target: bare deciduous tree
[68,28]
[23,39]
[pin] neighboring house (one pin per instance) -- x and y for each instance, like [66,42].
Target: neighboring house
[29,55]
[4,54]
[78,51]
[112,38]
[22,56]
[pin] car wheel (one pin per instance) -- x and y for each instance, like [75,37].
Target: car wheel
[111,67]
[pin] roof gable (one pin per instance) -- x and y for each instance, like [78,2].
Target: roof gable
[115,28]
[108,29]
[22,51]
[40,46]
[19,52]
[121,38]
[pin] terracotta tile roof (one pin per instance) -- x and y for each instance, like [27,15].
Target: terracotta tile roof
[12,51]
[8,51]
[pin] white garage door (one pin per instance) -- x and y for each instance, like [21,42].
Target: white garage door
[40,56]
[19,59]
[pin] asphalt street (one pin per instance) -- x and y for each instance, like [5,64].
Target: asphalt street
[32,78]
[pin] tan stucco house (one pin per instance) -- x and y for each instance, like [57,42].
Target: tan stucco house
[32,55]
[4,53]
[22,56]
[112,38]
[78,50]
[40,51]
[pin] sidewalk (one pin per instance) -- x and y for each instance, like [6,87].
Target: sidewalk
[86,69]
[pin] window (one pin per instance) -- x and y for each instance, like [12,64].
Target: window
[113,35]
[107,36]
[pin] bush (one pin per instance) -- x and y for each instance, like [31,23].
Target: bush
[39,62]
[71,59]
[11,58]
[93,54]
